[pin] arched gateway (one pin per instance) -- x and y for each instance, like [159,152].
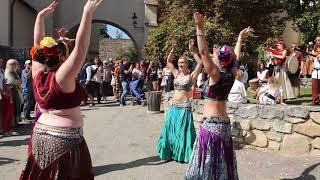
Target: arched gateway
[134,17]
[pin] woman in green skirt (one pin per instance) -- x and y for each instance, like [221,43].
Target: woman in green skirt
[178,133]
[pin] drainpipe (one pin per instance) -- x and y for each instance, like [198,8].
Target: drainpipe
[12,2]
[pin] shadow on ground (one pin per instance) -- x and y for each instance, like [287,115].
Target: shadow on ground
[4,161]
[21,130]
[305,175]
[15,143]
[149,161]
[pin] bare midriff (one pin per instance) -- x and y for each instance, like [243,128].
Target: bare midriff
[65,118]
[181,96]
[214,108]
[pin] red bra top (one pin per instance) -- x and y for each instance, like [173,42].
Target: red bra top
[279,53]
[220,90]
[49,95]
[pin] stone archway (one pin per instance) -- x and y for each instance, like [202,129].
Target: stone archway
[95,35]
[114,12]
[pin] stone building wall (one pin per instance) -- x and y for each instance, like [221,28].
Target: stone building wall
[109,49]
[292,130]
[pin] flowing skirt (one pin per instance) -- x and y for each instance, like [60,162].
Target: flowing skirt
[285,83]
[58,153]
[213,156]
[178,134]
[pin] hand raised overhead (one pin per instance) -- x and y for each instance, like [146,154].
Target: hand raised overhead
[191,45]
[92,5]
[50,9]
[199,19]
[62,32]
[174,44]
[246,32]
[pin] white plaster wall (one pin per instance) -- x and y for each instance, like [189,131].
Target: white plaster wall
[94,45]
[23,24]
[114,11]
[4,21]
[151,15]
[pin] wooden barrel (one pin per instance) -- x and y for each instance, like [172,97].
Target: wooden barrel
[254,84]
[154,101]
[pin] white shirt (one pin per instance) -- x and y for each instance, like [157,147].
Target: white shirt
[316,72]
[136,73]
[245,77]
[97,77]
[276,93]
[237,93]
[199,80]
[159,73]
[106,75]
[262,75]
[166,72]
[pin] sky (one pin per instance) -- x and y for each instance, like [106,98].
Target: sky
[112,31]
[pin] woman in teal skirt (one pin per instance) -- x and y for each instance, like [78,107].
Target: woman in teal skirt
[178,134]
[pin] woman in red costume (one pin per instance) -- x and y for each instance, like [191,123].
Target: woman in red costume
[58,149]
[279,55]
[7,111]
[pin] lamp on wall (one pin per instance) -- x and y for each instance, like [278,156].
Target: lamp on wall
[134,19]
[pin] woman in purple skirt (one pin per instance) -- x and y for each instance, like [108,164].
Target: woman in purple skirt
[213,155]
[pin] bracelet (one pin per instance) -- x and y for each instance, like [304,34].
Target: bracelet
[200,34]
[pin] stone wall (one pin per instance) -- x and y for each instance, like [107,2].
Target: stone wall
[109,49]
[292,130]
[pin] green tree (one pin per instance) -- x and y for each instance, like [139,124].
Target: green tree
[119,35]
[226,18]
[131,54]
[305,15]
[103,31]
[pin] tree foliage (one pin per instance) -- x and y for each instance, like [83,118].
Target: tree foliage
[131,54]
[225,19]
[305,15]
[103,31]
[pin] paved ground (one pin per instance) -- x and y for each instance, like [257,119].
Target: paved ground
[122,143]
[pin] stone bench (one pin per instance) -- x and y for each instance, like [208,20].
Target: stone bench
[292,130]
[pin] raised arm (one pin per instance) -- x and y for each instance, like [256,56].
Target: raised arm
[39,26]
[195,55]
[210,67]
[62,36]
[245,32]
[67,73]
[170,65]
[39,32]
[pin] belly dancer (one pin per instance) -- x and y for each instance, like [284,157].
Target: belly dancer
[58,149]
[213,154]
[178,133]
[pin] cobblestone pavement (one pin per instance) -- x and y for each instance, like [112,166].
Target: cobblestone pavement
[122,143]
